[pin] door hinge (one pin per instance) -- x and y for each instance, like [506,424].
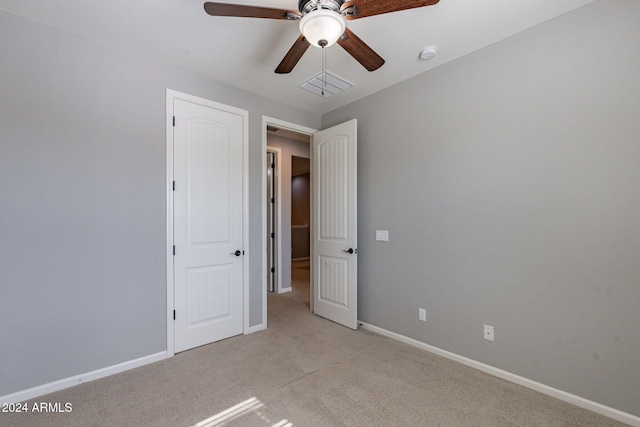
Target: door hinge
[273,165]
[273,235]
[273,269]
[174,315]
[273,200]
[174,249]
[174,121]
[174,186]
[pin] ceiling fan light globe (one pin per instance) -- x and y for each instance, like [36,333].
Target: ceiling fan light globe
[322,27]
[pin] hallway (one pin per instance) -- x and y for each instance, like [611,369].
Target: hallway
[300,279]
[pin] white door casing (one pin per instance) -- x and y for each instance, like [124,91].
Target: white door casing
[208,222]
[334,248]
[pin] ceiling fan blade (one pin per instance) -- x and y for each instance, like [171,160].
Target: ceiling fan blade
[244,11]
[360,51]
[364,8]
[293,56]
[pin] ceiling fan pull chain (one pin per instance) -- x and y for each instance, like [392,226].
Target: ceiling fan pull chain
[324,69]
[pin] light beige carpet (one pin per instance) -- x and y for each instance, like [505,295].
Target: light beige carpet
[305,371]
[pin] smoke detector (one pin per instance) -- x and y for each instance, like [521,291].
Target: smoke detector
[428,52]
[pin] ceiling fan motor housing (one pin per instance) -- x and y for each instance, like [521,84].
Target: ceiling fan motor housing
[306,6]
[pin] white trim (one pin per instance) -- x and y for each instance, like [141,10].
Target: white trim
[171,96]
[278,152]
[282,125]
[245,219]
[525,382]
[256,328]
[285,290]
[51,387]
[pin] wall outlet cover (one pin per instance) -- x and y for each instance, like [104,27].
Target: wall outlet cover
[488,332]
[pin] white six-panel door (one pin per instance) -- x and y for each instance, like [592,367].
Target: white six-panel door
[335,244]
[208,224]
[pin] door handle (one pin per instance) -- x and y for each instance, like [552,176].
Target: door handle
[350,251]
[236,253]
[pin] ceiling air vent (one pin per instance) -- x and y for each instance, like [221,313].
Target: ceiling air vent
[333,85]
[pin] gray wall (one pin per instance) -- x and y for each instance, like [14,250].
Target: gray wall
[289,148]
[509,181]
[82,211]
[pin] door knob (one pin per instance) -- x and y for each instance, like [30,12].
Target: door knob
[350,251]
[236,253]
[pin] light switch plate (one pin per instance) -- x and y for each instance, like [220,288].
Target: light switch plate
[382,235]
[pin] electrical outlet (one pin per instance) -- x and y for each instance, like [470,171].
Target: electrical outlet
[488,332]
[422,314]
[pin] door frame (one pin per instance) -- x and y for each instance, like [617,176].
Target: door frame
[278,227]
[171,96]
[282,124]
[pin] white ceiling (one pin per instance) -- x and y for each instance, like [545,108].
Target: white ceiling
[243,52]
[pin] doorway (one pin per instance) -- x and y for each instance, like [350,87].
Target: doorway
[300,208]
[301,228]
[333,263]
[287,205]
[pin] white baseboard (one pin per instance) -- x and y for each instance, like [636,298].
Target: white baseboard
[34,392]
[525,382]
[255,328]
[285,290]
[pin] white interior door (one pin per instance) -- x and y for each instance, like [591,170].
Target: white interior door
[208,224]
[335,242]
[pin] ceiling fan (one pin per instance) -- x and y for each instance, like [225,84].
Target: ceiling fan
[323,23]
